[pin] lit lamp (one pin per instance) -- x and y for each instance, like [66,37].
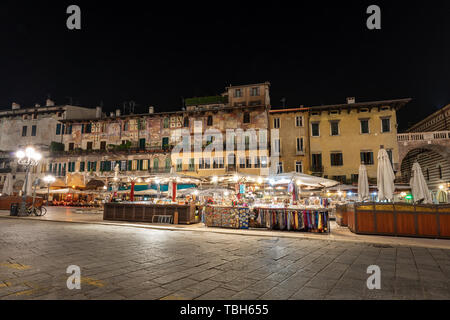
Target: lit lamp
[28,158]
[49,180]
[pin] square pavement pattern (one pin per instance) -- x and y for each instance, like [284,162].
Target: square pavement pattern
[119,262]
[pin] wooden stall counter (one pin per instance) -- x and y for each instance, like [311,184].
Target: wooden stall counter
[398,219]
[149,212]
[6,201]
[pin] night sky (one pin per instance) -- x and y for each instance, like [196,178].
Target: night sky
[155,55]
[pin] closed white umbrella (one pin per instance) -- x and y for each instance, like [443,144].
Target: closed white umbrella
[363,183]
[8,185]
[29,191]
[385,177]
[419,186]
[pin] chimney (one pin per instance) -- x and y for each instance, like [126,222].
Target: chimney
[98,112]
[350,100]
[15,106]
[117,112]
[151,109]
[37,105]
[49,103]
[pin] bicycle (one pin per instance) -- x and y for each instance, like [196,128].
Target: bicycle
[37,211]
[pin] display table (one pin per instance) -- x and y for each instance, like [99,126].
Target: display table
[226,217]
[146,212]
[398,219]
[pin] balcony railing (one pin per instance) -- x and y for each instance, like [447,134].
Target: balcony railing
[423,136]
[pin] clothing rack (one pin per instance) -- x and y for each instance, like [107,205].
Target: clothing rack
[306,220]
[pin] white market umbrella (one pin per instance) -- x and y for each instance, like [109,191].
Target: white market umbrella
[419,186]
[29,191]
[385,177]
[8,185]
[441,196]
[363,183]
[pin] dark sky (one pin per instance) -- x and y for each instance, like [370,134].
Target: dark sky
[155,55]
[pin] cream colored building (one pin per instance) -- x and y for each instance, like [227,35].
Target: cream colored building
[293,138]
[343,136]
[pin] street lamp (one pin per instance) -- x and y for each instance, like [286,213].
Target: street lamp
[49,180]
[28,158]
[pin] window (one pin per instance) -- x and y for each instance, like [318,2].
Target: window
[89,146]
[102,145]
[201,163]
[238,93]
[276,123]
[24,131]
[280,167]
[254,92]
[428,174]
[166,123]
[246,117]
[82,164]
[88,128]
[334,126]
[341,179]
[142,144]
[336,159]
[69,129]
[179,164]
[263,162]
[207,163]
[58,129]
[257,162]
[367,157]
[316,162]
[242,163]
[299,121]
[440,171]
[186,122]
[299,144]
[33,130]
[71,146]
[168,163]
[355,177]
[315,132]
[156,163]
[165,142]
[364,126]
[191,164]
[298,167]
[277,143]
[248,163]
[386,125]
[209,121]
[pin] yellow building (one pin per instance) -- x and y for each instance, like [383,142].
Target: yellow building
[342,136]
[293,138]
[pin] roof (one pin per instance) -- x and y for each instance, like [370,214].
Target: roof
[288,110]
[428,118]
[396,103]
[249,85]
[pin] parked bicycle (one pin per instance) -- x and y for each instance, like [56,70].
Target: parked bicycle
[37,211]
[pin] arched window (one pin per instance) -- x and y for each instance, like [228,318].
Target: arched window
[440,171]
[168,163]
[155,164]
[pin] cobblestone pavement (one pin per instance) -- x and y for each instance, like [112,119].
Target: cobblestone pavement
[120,262]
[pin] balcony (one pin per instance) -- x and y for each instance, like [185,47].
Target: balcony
[317,170]
[133,150]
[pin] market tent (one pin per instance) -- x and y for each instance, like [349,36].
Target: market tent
[94,184]
[419,187]
[363,183]
[216,191]
[301,179]
[77,180]
[59,183]
[385,177]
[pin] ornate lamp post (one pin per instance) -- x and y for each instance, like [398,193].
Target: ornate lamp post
[49,180]
[28,158]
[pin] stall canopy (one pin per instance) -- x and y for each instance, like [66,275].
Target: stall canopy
[301,179]
[57,191]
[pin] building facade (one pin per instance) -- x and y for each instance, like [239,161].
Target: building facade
[343,136]
[292,140]
[39,127]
